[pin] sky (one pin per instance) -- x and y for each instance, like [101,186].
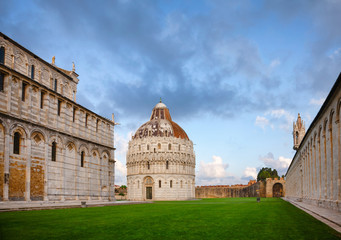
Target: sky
[234,74]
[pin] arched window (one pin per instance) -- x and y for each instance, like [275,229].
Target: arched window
[148,147]
[32,71]
[2,55]
[139,147]
[167,164]
[179,147]
[296,137]
[159,183]
[169,146]
[155,150]
[159,146]
[16,143]
[171,183]
[55,85]
[148,165]
[138,184]
[82,159]
[181,183]
[54,151]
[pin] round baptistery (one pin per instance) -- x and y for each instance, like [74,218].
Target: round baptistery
[160,160]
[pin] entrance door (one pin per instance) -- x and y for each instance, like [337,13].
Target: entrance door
[277,190]
[149,194]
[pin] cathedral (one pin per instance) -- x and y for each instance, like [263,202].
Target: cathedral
[51,147]
[160,160]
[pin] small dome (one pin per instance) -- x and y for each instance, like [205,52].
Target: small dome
[160,125]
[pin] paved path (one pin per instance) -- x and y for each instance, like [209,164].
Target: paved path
[327,216]
[38,205]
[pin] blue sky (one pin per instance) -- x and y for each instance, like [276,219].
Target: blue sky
[234,74]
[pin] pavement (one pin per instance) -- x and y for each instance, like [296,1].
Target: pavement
[39,205]
[330,217]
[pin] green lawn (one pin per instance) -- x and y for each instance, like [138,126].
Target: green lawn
[232,218]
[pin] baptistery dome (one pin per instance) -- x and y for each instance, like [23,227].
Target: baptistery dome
[160,160]
[160,125]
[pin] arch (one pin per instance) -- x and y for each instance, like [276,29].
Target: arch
[148,188]
[39,132]
[169,146]
[277,190]
[338,110]
[17,127]
[83,147]
[331,115]
[159,146]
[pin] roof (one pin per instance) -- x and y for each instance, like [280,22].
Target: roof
[161,125]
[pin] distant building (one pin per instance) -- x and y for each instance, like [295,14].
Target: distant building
[160,160]
[51,148]
[314,175]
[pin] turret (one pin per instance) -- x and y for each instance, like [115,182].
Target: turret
[298,132]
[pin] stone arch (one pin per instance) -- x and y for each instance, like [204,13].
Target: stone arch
[94,172]
[337,118]
[331,115]
[38,165]
[148,188]
[83,147]
[277,190]
[37,132]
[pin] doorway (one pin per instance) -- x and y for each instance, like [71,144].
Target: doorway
[149,193]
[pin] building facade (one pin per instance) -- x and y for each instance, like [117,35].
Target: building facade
[314,175]
[51,148]
[160,160]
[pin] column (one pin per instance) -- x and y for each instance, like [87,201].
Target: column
[28,170]
[6,165]
[46,169]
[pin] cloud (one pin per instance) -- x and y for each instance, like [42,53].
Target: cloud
[261,122]
[214,169]
[250,172]
[276,118]
[215,173]
[317,102]
[120,173]
[196,61]
[281,164]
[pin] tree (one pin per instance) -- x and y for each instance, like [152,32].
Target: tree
[267,173]
[123,187]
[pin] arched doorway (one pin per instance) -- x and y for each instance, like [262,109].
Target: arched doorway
[277,190]
[148,186]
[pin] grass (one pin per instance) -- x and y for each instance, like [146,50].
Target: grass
[232,218]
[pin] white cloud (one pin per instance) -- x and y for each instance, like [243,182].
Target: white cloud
[317,102]
[215,169]
[281,164]
[120,173]
[215,173]
[250,172]
[261,122]
[276,118]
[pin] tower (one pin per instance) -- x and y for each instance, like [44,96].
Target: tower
[298,132]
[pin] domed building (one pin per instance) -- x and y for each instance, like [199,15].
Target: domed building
[160,160]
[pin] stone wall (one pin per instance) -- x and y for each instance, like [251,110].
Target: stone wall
[44,113]
[258,189]
[255,190]
[314,174]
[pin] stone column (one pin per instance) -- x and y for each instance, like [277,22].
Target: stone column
[46,169]
[6,165]
[28,170]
